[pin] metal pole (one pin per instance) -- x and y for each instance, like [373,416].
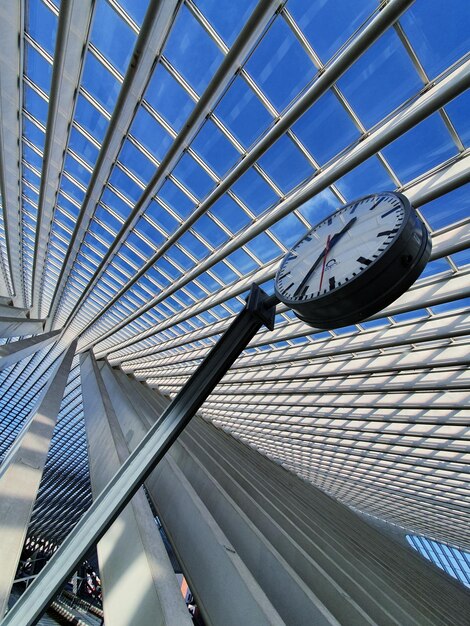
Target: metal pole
[259,310]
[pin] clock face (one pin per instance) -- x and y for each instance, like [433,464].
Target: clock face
[355,261]
[340,247]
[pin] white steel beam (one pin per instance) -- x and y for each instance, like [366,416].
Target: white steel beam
[425,293]
[11,70]
[16,327]
[11,353]
[72,34]
[430,101]
[382,20]
[235,57]
[20,481]
[153,34]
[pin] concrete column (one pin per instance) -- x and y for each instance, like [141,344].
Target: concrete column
[20,478]
[11,353]
[139,585]
[228,510]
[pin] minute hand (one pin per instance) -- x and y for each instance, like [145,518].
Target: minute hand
[334,240]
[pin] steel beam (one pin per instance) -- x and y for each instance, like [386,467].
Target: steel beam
[430,101]
[11,353]
[20,481]
[119,491]
[155,28]
[384,18]
[254,27]
[11,71]
[72,33]
[16,327]
[426,293]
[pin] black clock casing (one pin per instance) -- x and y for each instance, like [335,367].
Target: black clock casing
[374,287]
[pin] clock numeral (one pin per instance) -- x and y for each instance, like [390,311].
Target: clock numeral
[363,261]
[332,282]
[384,233]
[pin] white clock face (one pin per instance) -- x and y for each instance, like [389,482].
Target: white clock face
[340,248]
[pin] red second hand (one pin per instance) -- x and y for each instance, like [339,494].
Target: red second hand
[327,249]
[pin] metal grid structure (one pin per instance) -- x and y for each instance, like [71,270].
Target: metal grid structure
[158,158]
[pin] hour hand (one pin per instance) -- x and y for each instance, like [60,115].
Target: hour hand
[342,232]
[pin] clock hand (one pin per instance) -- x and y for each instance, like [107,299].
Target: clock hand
[343,231]
[327,249]
[331,241]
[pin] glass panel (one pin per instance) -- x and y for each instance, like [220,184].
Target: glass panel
[121,181]
[135,8]
[90,118]
[215,148]
[319,207]
[42,25]
[167,97]
[326,129]
[176,199]
[37,68]
[191,51]
[242,112]
[449,208]
[458,110]
[421,148]
[327,25]
[438,31]
[382,79]
[280,65]
[285,164]
[227,16]
[82,146]
[230,214]
[100,83]
[288,230]
[150,134]
[112,36]
[254,192]
[368,177]
[264,248]
[36,105]
[193,177]
[136,162]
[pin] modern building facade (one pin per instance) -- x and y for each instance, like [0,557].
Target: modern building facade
[156,160]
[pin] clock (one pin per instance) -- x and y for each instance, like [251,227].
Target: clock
[355,262]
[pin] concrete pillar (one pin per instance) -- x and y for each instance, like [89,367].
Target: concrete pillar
[139,585]
[228,510]
[21,475]
[11,353]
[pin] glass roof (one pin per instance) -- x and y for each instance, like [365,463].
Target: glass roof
[169,158]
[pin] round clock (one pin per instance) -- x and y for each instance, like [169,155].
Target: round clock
[355,262]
